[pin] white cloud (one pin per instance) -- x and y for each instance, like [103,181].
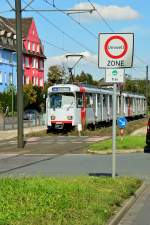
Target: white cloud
[62,61]
[109,12]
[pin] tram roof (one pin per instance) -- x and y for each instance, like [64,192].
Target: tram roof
[75,88]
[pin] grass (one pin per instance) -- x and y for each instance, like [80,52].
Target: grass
[62,201]
[101,131]
[128,142]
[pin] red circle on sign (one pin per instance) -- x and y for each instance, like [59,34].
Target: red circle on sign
[116,56]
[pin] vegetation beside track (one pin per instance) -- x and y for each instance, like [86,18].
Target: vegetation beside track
[65,201]
[127,143]
[103,130]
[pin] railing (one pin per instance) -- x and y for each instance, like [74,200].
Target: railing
[10,123]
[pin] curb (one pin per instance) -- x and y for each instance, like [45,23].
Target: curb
[109,152]
[116,219]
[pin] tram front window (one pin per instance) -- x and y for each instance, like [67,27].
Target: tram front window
[61,100]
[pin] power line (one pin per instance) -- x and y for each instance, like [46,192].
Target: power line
[100,15]
[68,15]
[55,46]
[61,31]
[110,27]
[10,5]
[27,5]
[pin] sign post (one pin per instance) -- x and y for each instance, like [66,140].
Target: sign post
[115,54]
[114,132]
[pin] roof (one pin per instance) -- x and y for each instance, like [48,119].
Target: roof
[26,23]
[9,25]
[6,25]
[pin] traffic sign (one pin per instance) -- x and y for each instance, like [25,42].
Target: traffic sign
[121,122]
[114,75]
[115,50]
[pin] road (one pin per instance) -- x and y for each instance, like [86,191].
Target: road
[64,155]
[136,164]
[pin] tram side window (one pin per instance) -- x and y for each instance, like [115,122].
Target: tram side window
[89,100]
[79,100]
[104,100]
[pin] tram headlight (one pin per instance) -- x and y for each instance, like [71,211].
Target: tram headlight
[69,117]
[53,117]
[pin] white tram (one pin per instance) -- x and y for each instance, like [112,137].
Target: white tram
[70,105]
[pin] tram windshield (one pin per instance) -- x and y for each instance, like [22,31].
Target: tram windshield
[62,100]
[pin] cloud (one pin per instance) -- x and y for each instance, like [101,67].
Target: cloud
[62,61]
[110,12]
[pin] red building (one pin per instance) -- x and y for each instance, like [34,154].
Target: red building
[33,51]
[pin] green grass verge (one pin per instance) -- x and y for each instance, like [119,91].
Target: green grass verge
[62,201]
[128,142]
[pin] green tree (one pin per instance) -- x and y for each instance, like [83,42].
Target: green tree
[34,97]
[56,74]
[86,78]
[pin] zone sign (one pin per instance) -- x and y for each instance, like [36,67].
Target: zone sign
[115,50]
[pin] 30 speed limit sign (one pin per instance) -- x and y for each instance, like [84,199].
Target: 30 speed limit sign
[115,50]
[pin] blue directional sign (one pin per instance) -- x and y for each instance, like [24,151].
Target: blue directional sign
[121,122]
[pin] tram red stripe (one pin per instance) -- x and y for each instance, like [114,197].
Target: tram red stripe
[62,122]
[83,109]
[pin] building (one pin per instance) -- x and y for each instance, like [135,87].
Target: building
[33,52]
[7,56]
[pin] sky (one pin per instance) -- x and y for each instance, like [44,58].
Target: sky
[78,33]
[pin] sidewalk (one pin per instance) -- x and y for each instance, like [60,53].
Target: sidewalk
[139,213]
[8,134]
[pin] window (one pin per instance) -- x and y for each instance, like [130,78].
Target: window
[1,59]
[33,62]
[5,79]
[26,61]
[99,100]
[11,58]
[89,100]
[61,100]
[27,80]
[10,78]
[29,45]
[1,77]
[36,64]
[38,48]
[79,100]
[33,47]
[41,82]
[36,81]
[33,80]
[33,32]
[41,65]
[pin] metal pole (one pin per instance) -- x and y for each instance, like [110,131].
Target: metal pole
[12,100]
[146,90]
[19,74]
[114,132]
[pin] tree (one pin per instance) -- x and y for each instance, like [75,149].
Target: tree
[34,97]
[86,78]
[56,74]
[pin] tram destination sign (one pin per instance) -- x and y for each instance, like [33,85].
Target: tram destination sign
[115,50]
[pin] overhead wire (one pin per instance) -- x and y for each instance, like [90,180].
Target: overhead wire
[61,31]
[10,5]
[110,27]
[68,15]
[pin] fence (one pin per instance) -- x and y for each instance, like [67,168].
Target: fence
[10,123]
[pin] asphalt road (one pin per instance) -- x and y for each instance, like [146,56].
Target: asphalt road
[135,164]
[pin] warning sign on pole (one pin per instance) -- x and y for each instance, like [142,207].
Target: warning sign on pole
[115,50]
